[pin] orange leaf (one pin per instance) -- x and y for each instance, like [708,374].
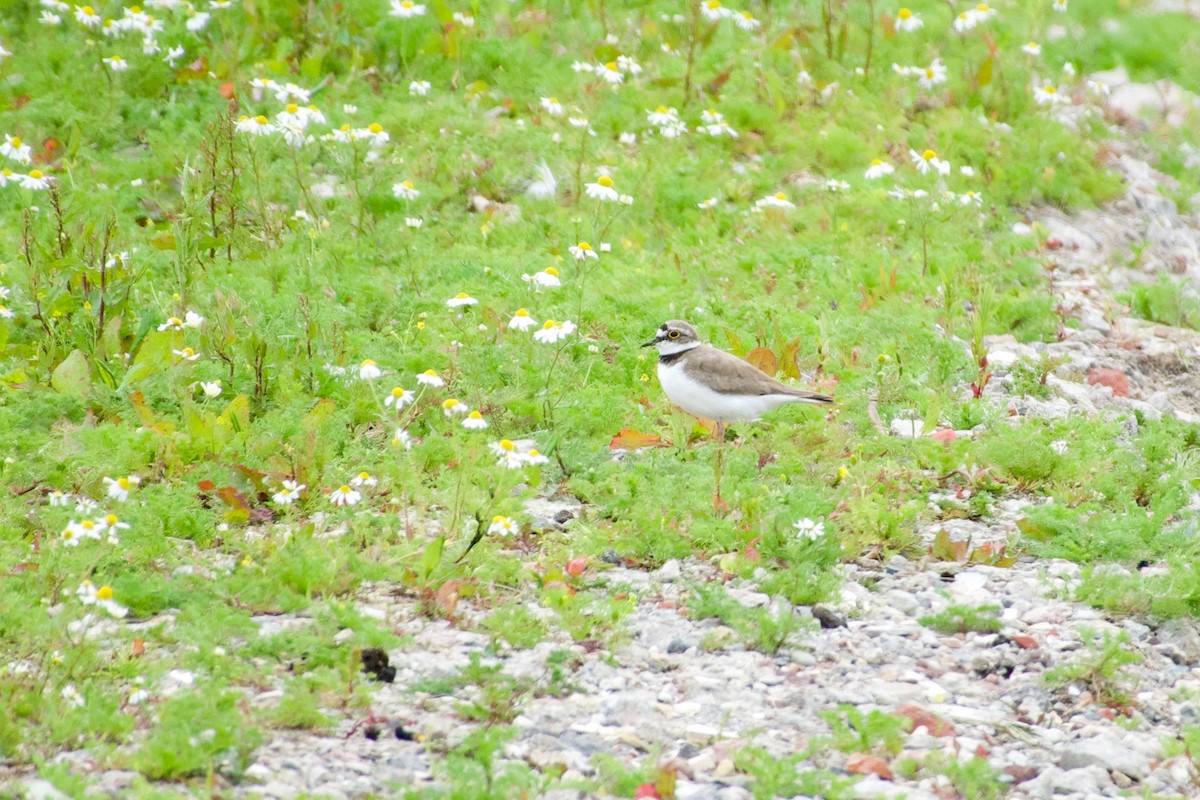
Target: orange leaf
[764,359]
[447,596]
[227,91]
[790,358]
[206,486]
[576,566]
[139,648]
[930,721]
[866,764]
[233,498]
[629,439]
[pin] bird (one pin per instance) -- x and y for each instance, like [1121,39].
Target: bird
[712,384]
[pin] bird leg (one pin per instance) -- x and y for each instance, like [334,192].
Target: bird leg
[718,503]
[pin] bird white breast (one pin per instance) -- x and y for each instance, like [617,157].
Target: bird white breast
[701,401]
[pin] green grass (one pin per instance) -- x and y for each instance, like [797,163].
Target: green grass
[160,207]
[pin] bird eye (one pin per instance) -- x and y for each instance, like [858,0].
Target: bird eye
[672,334]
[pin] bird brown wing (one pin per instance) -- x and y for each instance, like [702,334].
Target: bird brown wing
[725,373]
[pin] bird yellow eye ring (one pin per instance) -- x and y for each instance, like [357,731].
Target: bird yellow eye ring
[672,334]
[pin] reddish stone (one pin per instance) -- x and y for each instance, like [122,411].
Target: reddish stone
[1112,378]
[1024,641]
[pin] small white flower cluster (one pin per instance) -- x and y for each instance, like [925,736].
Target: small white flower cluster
[611,72]
[713,11]
[101,598]
[14,149]
[519,453]
[928,77]
[973,17]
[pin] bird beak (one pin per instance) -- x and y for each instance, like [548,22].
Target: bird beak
[651,343]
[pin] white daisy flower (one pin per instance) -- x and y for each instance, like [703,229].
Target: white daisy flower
[289,492]
[602,189]
[553,331]
[453,405]
[116,63]
[345,496]
[907,21]
[810,529]
[474,421]
[16,149]
[503,526]
[551,106]
[521,320]
[398,398]
[364,479]
[430,377]
[1031,48]
[368,370]
[405,190]
[547,278]
[462,299]
[406,9]
[929,160]
[419,88]
[119,488]
[878,169]
[777,200]
[583,251]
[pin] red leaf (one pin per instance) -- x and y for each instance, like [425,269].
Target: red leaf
[945,436]
[629,439]
[648,791]
[866,764]
[206,486]
[233,498]
[576,566]
[227,91]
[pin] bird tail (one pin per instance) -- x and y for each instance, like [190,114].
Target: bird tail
[811,397]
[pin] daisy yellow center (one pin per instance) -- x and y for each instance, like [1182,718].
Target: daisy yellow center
[87,523]
[964,16]
[346,127]
[533,453]
[375,127]
[344,489]
[584,246]
[451,403]
[35,173]
[187,351]
[364,475]
[68,534]
[431,373]
[499,519]
[407,3]
[409,185]
[105,592]
[506,444]
[475,415]
[660,110]
[88,11]
[605,181]
[929,73]
[929,155]
[611,66]
[549,324]
[983,7]
[260,119]
[110,519]
[397,392]
[552,271]
[553,100]
[124,483]
[904,13]
[312,107]
[174,321]
[524,312]
[368,363]
[747,15]
[780,196]
[292,108]
[135,9]
[713,4]
[15,141]
[1049,89]
[461,296]
[877,162]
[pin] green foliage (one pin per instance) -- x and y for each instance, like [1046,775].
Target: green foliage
[763,629]
[196,733]
[772,776]
[1101,669]
[856,732]
[964,619]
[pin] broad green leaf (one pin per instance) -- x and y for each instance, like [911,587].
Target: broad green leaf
[73,376]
